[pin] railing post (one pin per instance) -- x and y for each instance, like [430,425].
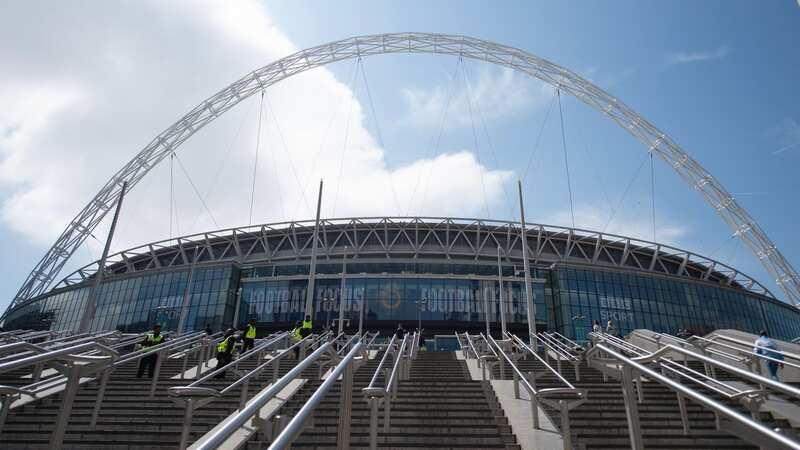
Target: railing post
[534,409]
[243,396]
[684,414]
[345,409]
[516,385]
[187,424]
[631,409]
[4,408]
[159,359]
[566,434]
[68,398]
[387,412]
[276,367]
[101,392]
[185,364]
[373,423]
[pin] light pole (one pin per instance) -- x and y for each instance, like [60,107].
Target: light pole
[502,303]
[341,291]
[419,313]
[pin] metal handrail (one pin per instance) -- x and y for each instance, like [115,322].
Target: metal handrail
[522,345]
[386,354]
[33,335]
[565,344]
[541,395]
[751,430]
[715,338]
[375,395]
[390,383]
[299,421]
[217,437]
[78,364]
[554,346]
[199,396]
[750,397]
[756,378]
[374,337]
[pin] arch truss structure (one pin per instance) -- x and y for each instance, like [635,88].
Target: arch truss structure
[655,141]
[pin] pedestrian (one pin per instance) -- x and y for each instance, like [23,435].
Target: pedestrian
[400,332]
[596,328]
[225,351]
[149,361]
[208,330]
[611,329]
[297,337]
[767,347]
[249,338]
[306,327]
[422,345]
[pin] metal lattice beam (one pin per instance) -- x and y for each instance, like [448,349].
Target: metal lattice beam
[418,239]
[656,141]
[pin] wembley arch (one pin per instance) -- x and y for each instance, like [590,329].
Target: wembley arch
[715,195]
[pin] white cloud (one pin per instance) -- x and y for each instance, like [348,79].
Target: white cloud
[787,132]
[83,104]
[691,57]
[496,93]
[592,218]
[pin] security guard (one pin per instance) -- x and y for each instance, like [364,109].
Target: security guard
[225,351]
[305,329]
[249,339]
[297,337]
[149,361]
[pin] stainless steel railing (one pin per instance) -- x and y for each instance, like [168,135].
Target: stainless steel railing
[77,364]
[541,396]
[376,395]
[560,348]
[345,369]
[194,395]
[751,358]
[741,425]
[752,398]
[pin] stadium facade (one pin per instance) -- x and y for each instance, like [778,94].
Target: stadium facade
[444,272]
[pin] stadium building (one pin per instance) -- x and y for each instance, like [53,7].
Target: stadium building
[681,319]
[445,273]
[442,272]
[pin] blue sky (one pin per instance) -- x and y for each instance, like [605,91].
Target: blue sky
[718,77]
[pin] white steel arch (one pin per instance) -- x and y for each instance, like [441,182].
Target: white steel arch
[740,221]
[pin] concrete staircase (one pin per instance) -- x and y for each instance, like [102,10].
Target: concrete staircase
[601,423]
[438,407]
[129,419]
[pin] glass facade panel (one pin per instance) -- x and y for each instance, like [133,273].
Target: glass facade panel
[442,295]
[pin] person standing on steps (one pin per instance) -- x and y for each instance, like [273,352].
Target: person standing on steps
[249,338]
[208,330]
[611,329]
[225,351]
[149,361]
[305,327]
[297,337]
[767,347]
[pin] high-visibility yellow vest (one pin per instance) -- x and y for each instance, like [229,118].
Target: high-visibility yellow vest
[296,334]
[251,332]
[306,324]
[222,347]
[152,340]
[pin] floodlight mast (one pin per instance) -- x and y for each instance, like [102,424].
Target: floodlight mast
[656,141]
